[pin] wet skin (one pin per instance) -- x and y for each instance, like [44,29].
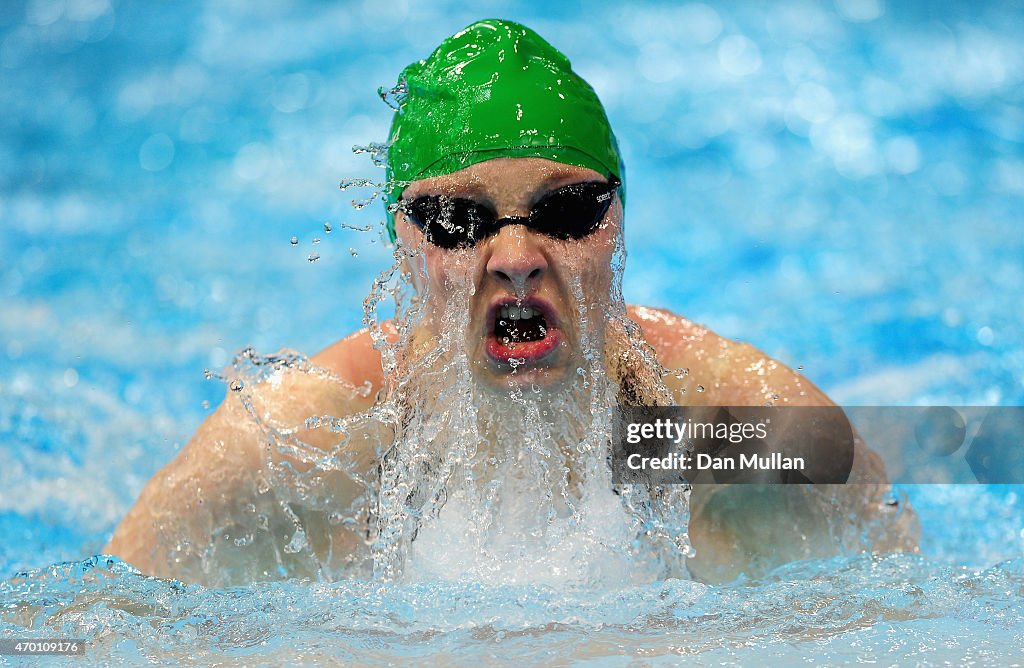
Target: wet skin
[734,529]
[516,266]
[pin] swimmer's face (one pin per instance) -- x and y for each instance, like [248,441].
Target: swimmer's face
[526,292]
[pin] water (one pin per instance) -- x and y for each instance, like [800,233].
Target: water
[842,184]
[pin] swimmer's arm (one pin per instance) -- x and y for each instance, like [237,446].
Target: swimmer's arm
[164,532]
[710,370]
[753,528]
[213,514]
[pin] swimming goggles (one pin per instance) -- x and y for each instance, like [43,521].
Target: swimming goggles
[570,212]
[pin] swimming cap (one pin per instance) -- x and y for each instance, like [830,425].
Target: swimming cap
[494,90]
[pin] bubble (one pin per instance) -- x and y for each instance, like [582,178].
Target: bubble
[940,430]
[860,11]
[253,161]
[156,153]
[814,102]
[14,349]
[291,93]
[903,155]
[739,56]
[87,10]
[43,12]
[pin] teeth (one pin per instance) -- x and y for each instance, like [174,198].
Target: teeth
[513,312]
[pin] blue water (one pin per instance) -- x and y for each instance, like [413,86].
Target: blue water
[841,184]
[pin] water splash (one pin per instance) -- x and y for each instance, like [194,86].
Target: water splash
[442,473]
[948,614]
[395,97]
[378,153]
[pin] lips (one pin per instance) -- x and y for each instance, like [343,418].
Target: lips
[521,332]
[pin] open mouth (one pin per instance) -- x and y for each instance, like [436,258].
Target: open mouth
[524,332]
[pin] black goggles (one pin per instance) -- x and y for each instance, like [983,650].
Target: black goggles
[570,212]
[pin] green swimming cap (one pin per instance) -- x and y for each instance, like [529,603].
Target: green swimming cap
[494,90]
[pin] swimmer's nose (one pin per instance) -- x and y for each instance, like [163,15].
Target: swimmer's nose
[516,258]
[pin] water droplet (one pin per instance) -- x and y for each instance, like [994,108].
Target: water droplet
[353,252]
[355,183]
[297,543]
[313,257]
[700,388]
[327,228]
[800,368]
[206,404]
[236,385]
[295,241]
[316,240]
[359,204]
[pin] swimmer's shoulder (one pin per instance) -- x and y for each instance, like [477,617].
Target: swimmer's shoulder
[721,371]
[354,359]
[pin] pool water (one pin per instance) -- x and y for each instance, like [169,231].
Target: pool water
[840,184]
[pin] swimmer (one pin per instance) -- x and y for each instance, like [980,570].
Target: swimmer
[506,191]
